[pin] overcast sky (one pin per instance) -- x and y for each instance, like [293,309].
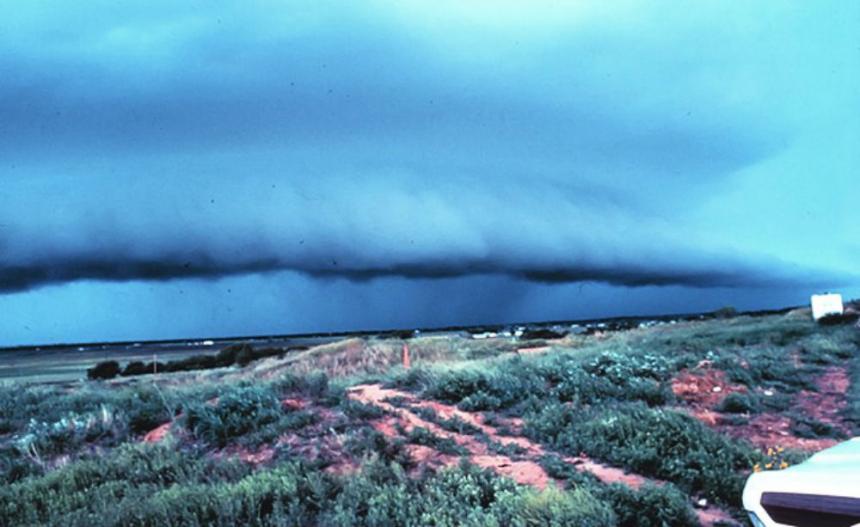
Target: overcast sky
[220,168]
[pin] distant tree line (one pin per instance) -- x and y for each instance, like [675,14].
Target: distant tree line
[237,354]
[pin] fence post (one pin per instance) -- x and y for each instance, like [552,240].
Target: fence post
[406,362]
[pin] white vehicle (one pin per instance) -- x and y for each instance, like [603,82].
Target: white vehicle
[823,491]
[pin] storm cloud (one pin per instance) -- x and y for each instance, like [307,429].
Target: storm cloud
[628,144]
[362,230]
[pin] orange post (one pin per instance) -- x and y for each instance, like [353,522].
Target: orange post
[406,362]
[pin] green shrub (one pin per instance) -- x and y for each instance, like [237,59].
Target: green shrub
[808,428]
[137,368]
[653,442]
[555,508]
[245,356]
[565,377]
[239,354]
[767,367]
[368,443]
[415,379]
[650,506]
[314,385]
[146,409]
[725,312]
[360,411]
[479,390]
[71,431]
[465,496]
[452,424]
[236,413]
[421,436]
[15,465]
[739,403]
[104,370]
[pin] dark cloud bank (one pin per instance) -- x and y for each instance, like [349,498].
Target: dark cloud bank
[350,149]
[364,230]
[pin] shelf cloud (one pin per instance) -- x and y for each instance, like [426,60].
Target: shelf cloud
[628,144]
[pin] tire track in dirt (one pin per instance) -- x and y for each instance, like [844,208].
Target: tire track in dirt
[524,470]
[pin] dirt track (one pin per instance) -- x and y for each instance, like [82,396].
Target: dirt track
[522,468]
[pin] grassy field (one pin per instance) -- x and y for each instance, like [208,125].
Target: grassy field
[647,427]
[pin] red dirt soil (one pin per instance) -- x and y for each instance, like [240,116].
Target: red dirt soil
[696,389]
[291,404]
[524,469]
[772,430]
[703,386]
[157,434]
[264,455]
[827,403]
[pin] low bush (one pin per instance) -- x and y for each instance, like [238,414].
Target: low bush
[453,424]
[70,432]
[137,368]
[838,319]
[464,496]
[482,390]
[236,413]
[360,411]
[739,403]
[314,385]
[14,466]
[766,367]
[554,508]
[653,442]
[153,486]
[366,443]
[238,354]
[104,370]
[147,408]
[542,334]
[809,428]
[445,445]
[245,356]
[725,312]
[650,506]
[562,377]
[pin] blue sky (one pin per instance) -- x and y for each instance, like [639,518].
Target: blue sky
[194,169]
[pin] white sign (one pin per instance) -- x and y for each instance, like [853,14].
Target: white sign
[828,304]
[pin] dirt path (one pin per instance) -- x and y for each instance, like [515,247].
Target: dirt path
[522,468]
[827,403]
[703,389]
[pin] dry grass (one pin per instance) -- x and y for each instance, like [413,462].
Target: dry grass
[370,356]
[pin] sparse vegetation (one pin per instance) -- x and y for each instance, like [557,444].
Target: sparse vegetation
[654,442]
[279,442]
